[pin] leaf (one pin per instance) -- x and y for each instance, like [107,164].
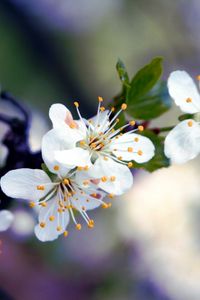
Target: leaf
[159,160]
[152,105]
[145,79]
[123,75]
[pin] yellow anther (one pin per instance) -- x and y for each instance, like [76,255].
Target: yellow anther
[188,100]
[86,182]
[113,109]
[94,195]
[109,205]
[190,123]
[32,204]
[66,181]
[100,99]
[112,178]
[80,168]
[40,187]
[42,224]
[105,158]
[140,152]
[136,139]
[56,168]
[76,104]
[117,120]
[111,196]
[86,168]
[59,210]
[91,224]
[130,164]
[102,108]
[78,226]
[82,143]
[83,208]
[65,233]
[119,158]
[124,106]
[104,205]
[130,149]
[104,179]
[93,145]
[198,77]
[69,194]
[132,123]
[140,128]
[72,124]
[51,218]
[43,204]
[87,200]
[59,228]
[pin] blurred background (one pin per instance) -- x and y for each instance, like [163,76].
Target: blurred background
[147,246]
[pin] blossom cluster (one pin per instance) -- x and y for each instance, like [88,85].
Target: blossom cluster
[87,162]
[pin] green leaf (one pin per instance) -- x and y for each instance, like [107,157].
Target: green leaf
[123,75]
[159,160]
[151,105]
[145,79]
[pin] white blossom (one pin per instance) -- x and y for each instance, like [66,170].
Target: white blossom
[183,141]
[6,219]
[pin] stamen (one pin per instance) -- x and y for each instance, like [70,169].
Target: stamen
[76,104]
[59,228]
[100,99]
[111,196]
[65,233]
[140,152]
[112,178]
[124,106]
[104,179]
[188,100]
[198,77]
[78,226]
[40,187]
[130,164]
[51,218]
[32,204]
[140,128]
[91,224]
[56,168]
[66,181]
[43,204]
[136,139]
[42,224]
[130,149]
[132,123]
[190,123]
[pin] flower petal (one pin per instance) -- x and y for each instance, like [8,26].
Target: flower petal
[56,140]
[100,123]
[133,147]
[26,184]
[73,157]
[118,177]
[182,87]
[6,219]
[183,142]
[84,200]
[60,115]
[51,222]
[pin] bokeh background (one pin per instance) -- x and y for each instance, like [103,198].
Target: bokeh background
[147,246]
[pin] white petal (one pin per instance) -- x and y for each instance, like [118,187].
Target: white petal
[3,154]
[109,168]
[56,140]
[87,201]
[23,183]
[100,123]
[183,142]
[60,115]
[6,219]
[50,232]
[73,157]
[133,147]
[181,87]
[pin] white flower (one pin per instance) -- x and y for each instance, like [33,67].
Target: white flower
[108,150]
[6,219]
[57,198]
[183,142]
